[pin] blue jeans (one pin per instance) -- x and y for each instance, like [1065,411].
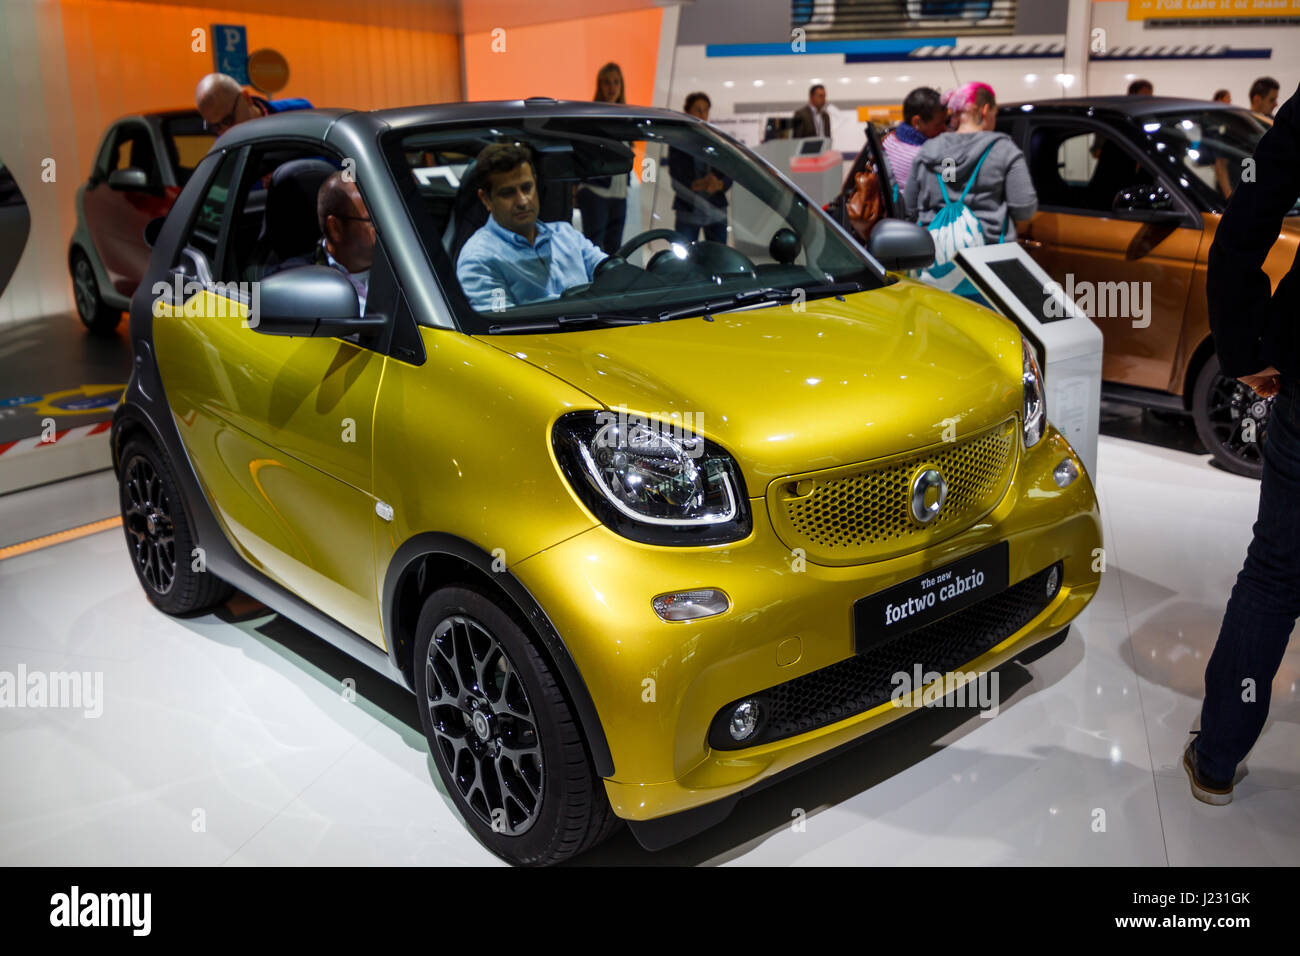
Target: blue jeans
[1263,607]
[602,219]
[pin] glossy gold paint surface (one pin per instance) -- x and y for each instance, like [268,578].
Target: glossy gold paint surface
[280,430]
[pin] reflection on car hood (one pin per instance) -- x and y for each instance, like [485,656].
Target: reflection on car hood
[788,391]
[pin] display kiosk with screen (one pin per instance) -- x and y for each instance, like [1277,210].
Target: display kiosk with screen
[810,163]
[1068,343]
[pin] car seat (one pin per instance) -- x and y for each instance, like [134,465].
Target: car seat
[290,228]
[468,214]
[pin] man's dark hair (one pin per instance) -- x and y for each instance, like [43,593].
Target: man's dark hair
[1221,95]
[498,158]
[814,88]
[921,102]
[693,98]
[333,199]
[1263,86]
[1141,88]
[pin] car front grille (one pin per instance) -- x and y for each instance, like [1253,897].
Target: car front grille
[865,681]
[859,513]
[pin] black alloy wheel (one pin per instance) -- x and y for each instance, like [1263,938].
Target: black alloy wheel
[163,552]
[149,528]
[502,734]
[95,314]
[1231,420]
[484,725]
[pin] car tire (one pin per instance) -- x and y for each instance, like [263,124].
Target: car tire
[158,534]
[509,750]
[1220,408]
[95,314]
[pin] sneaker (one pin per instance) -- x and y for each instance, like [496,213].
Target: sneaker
[1203,788]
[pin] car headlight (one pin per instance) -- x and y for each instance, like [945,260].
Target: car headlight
[1035,409]
[650,480]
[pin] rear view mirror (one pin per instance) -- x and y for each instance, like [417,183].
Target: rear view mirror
[310,301]
[900,246]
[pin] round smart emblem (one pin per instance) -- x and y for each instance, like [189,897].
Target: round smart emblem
[928,493]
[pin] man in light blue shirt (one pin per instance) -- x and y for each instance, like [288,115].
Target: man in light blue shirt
[514,259]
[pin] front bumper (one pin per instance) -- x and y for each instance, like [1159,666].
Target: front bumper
[658,686]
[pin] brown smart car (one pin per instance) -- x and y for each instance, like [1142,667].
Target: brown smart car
[1130,191]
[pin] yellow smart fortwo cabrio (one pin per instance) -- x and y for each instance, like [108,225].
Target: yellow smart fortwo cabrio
[642,526]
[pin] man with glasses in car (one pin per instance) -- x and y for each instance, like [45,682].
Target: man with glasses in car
[514,258]
[223,103]
[347,241]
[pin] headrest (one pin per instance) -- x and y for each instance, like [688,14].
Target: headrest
[291,206]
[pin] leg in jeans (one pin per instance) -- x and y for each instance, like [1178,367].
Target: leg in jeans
[594,215]
[687,228]
[716,231]
[1263,607]
[616,215]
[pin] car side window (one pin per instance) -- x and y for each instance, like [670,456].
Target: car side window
[197,258]
[1080,169]
[187,141]
[273,218]
[133,149]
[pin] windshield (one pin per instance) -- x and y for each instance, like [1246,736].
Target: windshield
[558,222]
[1213,146]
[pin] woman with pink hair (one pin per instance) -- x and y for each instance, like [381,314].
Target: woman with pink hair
[970,96]
[975,177]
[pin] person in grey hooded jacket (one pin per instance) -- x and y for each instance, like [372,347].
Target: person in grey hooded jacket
[1002,194]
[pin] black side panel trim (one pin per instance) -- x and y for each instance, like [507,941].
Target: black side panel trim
[666,831]
[227,564]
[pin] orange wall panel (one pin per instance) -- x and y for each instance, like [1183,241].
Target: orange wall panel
[76,65]
[126,56]
[561,59]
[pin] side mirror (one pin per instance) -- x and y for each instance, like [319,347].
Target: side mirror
[310,301]
[1145,204]
[128,180]
[900,245]
[151,230]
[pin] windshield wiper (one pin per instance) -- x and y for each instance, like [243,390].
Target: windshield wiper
[719,306]
[752,296]
[599,319]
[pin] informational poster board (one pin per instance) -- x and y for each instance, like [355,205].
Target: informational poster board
[1213,9]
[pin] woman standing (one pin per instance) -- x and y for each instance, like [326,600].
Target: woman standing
[699,190]
[969,187]
[603,201]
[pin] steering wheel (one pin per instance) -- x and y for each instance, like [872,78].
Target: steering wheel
[703,257]
[641,238]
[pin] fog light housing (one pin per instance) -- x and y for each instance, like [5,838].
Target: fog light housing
[690,605]
[744,720]
[1065,473]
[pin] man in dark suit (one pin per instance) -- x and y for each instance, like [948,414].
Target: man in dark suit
[812,120]
[1255,339]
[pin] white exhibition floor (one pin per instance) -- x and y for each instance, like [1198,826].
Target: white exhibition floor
[238,721]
